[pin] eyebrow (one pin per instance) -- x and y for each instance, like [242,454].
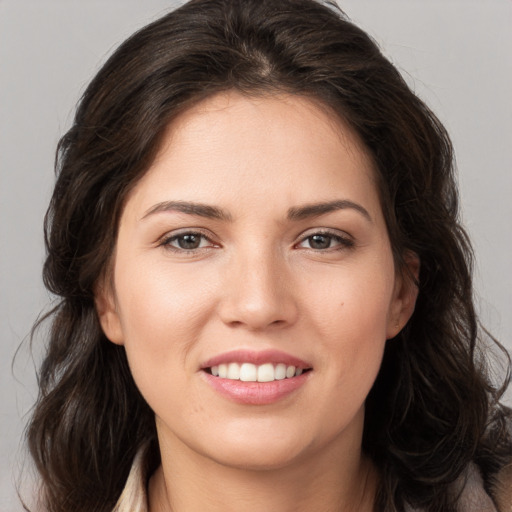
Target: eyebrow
[317,209]
[199,209]
[294,214]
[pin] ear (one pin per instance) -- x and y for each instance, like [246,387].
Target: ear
[405,294]
[106,308]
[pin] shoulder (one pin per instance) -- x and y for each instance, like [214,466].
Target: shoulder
[472,496]
[502,489]
[134,495]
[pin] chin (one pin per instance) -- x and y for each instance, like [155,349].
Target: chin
[266,450]
[257,458]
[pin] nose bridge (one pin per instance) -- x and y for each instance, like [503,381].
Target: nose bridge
[260,291]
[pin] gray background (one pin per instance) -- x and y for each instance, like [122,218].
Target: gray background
[455,54]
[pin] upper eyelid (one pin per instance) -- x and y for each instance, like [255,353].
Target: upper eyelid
[325,231]
[176,233]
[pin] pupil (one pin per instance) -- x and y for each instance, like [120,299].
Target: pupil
[189,241]
[320,241]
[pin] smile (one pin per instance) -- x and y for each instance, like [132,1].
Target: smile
[248,372]
[256,377]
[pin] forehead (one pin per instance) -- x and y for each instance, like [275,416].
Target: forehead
[293,117]
[235,147]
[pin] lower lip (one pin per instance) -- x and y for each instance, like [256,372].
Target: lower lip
[256,393]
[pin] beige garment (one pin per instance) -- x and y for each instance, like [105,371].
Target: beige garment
[502,489]
[473,498]
[134,497]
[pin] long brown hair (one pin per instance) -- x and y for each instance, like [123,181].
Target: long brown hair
[433,408]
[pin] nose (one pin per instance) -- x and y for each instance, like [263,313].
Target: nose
[258,293]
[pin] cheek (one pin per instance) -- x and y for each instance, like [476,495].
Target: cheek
[350,315]
[152,299]
[351,300]
[162,314]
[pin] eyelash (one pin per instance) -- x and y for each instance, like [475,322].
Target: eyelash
[344,242]
[166,242]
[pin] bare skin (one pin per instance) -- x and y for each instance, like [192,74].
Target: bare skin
[258,229]
[321,484]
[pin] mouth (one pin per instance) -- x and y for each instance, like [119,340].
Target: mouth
[250,372]
[256,377]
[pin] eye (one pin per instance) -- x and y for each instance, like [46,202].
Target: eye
[325,241]
[187,241]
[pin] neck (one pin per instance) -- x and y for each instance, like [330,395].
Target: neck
[192,483]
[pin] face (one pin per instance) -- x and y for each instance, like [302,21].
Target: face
[254,286]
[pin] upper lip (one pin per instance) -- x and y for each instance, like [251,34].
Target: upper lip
[256,357]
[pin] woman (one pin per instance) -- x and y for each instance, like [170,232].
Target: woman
[266,292]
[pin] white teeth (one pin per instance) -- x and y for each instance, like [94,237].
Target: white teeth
[233,371]
[280,371]
[223,371]
[266,372]
[248,372]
